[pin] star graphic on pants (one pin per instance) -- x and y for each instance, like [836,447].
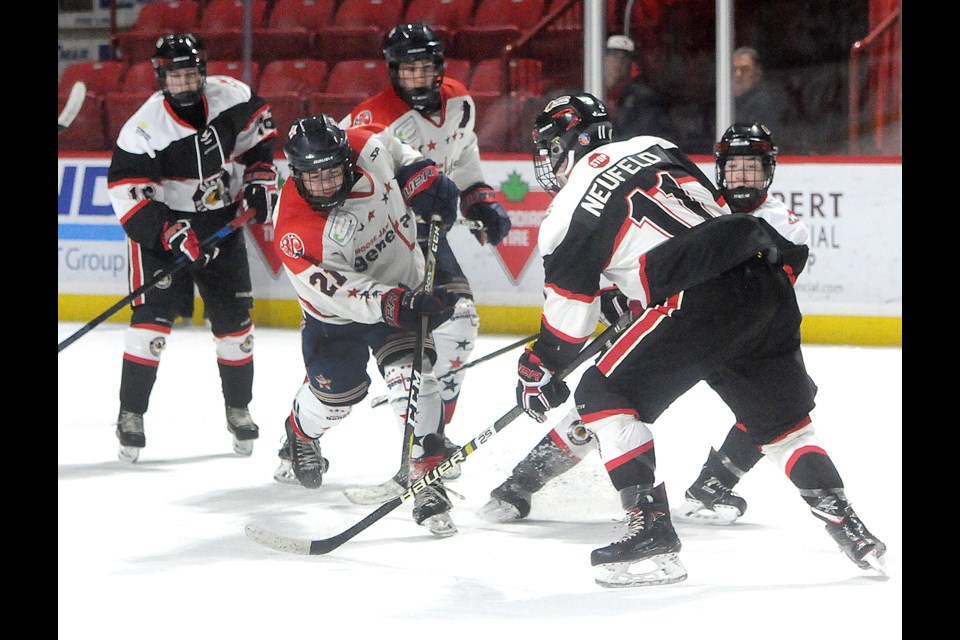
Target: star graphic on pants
[456,363]
[463,345]
[449,385]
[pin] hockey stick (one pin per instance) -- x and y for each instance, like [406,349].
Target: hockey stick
[322,546]
[382,400]
[410,419]
[70,110]
[177,266]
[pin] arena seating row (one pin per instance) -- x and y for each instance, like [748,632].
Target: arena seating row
[296,88]
[331,30]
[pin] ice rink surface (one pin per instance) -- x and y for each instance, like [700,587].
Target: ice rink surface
[157,549]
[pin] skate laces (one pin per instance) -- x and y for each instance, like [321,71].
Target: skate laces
[308,454]
[130,422]
[431,496]
[633,523]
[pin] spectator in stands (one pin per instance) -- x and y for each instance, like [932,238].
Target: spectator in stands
[181,162]
[756,99]
[639,109]
[617,67]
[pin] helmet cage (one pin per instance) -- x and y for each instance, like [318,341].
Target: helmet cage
[180,51]
[745,140]
[316,144]
[410,43]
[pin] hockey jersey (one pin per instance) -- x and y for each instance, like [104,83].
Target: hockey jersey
[340,263]
[642,215]
[447,138]
[164,169]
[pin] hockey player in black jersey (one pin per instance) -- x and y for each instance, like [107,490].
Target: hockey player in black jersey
[746,159]
[194,148]
[714,303]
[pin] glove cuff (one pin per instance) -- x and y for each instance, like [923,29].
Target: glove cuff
[420,182]
[480,192]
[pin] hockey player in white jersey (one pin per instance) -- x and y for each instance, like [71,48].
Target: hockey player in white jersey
[195,147]
[746,159]
[346,232]
[436,114]
[715,303]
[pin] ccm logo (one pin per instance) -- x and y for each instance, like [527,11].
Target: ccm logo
[598,160]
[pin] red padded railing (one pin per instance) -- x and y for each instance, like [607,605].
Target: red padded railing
[886,81]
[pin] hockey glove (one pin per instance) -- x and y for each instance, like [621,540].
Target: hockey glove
[427,191]
[537,390]
[403,308]
[260,190]
[179,236]
[479,202]
[613,304]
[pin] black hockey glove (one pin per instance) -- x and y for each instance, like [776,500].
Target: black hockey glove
[260,190]
[403,308]
[427,191]
[537,390]
[179,236]
[479,202]
[613,304]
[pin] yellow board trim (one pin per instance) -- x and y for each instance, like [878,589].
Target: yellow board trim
[839,330]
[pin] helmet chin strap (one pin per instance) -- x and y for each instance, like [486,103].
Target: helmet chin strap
[563,171]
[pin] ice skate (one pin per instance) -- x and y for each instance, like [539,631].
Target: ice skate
[284,472]
[431,505]
[650,545]
[243,428]
[711,502]
[508,502]
[131,436]
[848,531]
[430,509]
[307,462]
[512,500]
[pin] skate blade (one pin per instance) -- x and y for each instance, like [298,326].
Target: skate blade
[669,570]
[498,512]
[876,563]
[440,525]
[128,454]
[284,474]
[243,447]
[696,513]
[378,494]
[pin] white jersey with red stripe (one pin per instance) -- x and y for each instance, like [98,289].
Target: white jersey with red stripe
[341,262]
[447,137]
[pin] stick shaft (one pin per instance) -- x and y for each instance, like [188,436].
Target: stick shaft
[181,263]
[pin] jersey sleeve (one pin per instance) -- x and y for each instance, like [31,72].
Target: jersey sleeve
[135,190]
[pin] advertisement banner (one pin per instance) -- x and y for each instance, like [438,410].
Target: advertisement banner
[853,209]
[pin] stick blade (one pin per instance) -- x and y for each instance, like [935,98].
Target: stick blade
[277,542]
[70,110]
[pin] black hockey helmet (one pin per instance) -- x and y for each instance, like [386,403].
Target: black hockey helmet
[409,42]
[568,127]
[180,51]
[316,144]
[746,140]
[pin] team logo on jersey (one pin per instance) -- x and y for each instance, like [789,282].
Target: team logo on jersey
[598,160]
[209,195]
[291,245]
[342,228]
[362,118]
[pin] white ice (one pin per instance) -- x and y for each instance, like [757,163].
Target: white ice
[157,549]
